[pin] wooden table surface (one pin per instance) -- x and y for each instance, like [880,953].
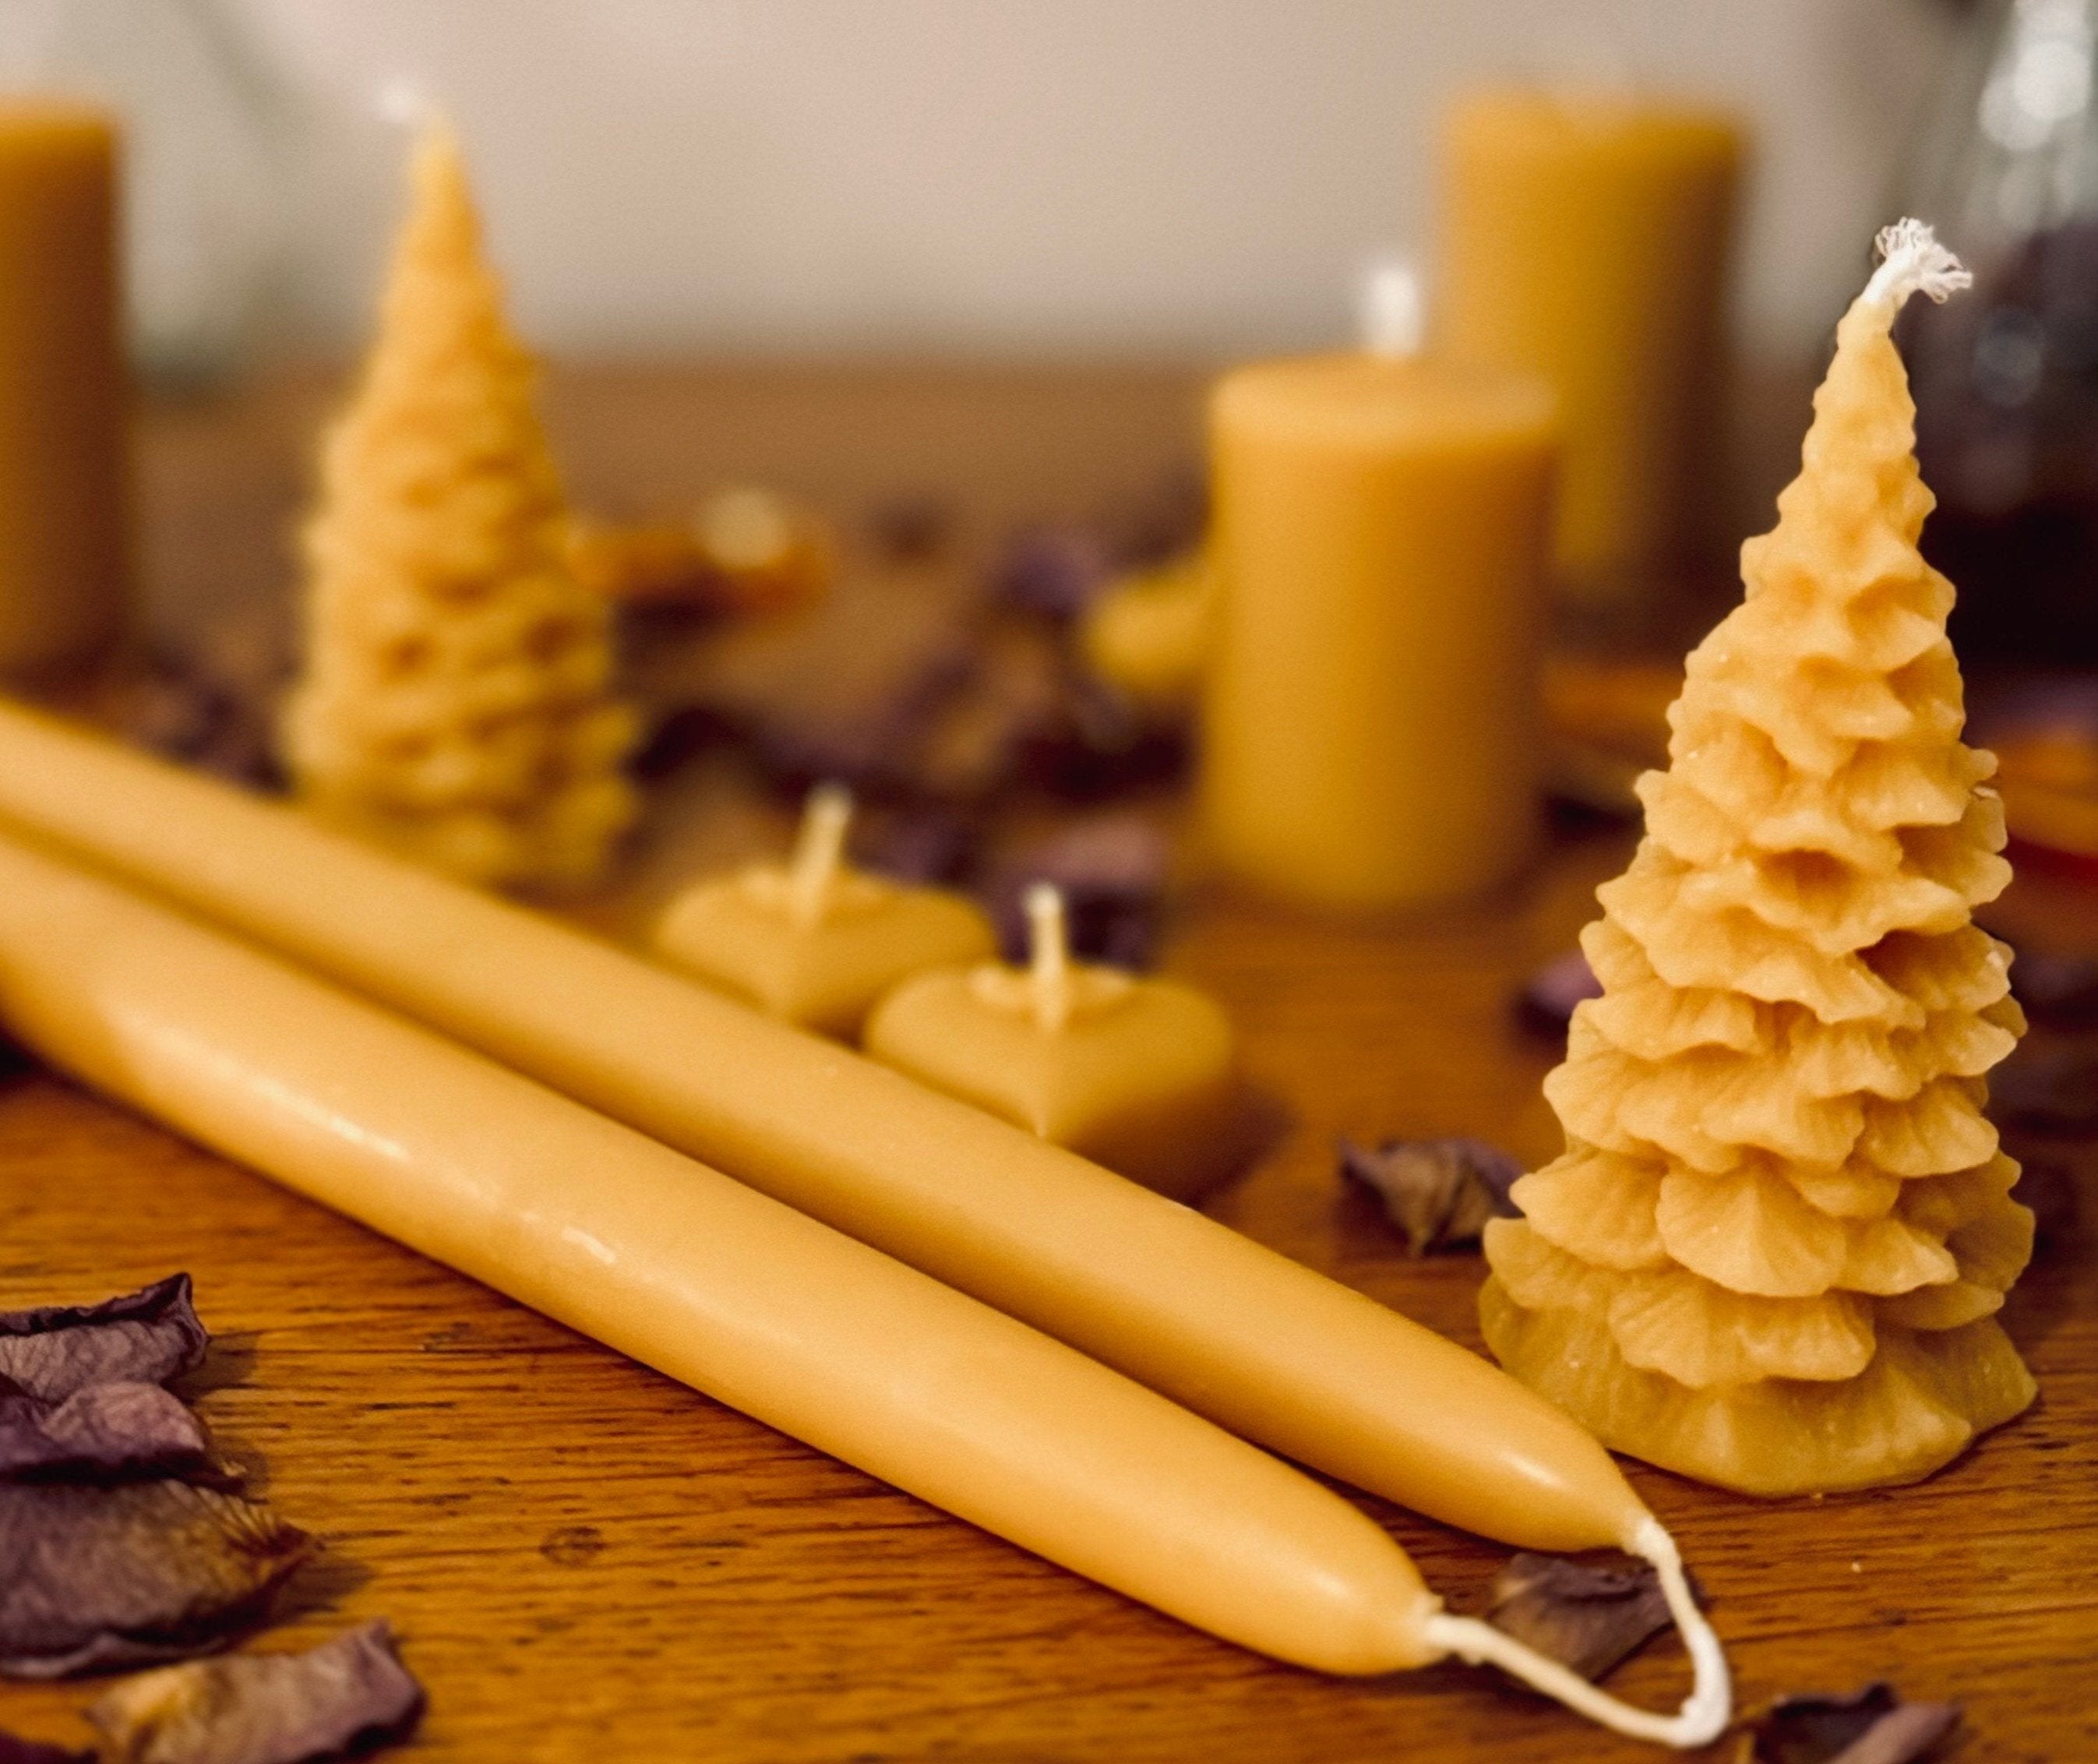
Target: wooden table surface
[585,1559]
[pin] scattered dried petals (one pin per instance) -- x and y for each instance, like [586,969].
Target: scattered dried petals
[264,1709]
[1872,1726]
[17,1751]
[1546,1000]
[1438,1192]
[98,1430]
[1587,1617]
[921,845]
[1056,571]
[94,1578]
[1112,872]
[148,1337]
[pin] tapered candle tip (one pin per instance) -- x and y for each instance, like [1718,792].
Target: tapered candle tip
[1911,262]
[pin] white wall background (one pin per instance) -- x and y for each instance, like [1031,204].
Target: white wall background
[1044,176]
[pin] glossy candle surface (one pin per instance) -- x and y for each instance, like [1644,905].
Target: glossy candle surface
[64,536]
[1136,1074]
[1369,717]
[695,1275]
[1273,1351]
[1586,240]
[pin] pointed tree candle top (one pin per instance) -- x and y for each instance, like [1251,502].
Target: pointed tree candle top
[1770,1256]
[454,703]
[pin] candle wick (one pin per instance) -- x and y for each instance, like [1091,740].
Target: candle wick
[1049,951]
[1911,262]
[818,852]
[1389,313]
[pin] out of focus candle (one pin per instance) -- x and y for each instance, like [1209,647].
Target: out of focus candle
[1369,717]
[1586,241]
[814,941]
[64,541]
[1136,1074]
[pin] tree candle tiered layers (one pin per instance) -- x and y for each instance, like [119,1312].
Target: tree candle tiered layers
[1771,1254]
[454,701]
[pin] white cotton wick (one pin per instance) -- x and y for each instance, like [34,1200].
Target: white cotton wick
[1049,956]
[403,101]
[1705,1712]
[1911,262]
[1390,314]
[818,851]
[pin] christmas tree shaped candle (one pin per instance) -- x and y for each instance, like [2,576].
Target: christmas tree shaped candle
[454,700]
[1772,1253]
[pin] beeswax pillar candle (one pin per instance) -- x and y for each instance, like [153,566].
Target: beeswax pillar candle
[1772,1255]
[736,1294]
[1369,720]
[1136,1074]
[64,539]
[814,941]
[1273,1351]
[1586,241]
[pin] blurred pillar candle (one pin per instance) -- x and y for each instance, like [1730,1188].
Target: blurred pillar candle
[1136,1074]
[1586,240]
[815,942]
[1370,708]
[63,535]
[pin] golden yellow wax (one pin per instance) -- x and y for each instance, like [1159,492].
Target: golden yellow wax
[1273,1351]
[1586,241]
[695,1275]
[64,539]
[1369,720]
[1136,1074]
[816,942]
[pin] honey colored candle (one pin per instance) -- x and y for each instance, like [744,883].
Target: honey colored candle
[454,703]
[814,941]
[1586,241]
[736,1294]
[1136,1074]
[1149,634]
[1274,1352]
[64,540]
[1369,722]
[1772,1254]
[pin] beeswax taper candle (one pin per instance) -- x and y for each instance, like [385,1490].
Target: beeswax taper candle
[1136,1074]
[1369,719]
[64,540]
[814,941]
[1276,1352]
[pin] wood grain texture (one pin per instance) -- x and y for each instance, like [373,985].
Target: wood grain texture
[584,1559]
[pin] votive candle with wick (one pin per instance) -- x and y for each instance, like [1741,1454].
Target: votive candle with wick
[1137,1074]
[815,941]
[1370,719]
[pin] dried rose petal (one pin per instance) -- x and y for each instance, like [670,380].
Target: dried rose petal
[1873,1726]
[95,1577]
[1546,1000]
[18,1751]
[1057,571]
[1588,1617]
[921,845]
[148,1337]
[102,1428]
[1438,1192]
[264,1709]
[1112,872]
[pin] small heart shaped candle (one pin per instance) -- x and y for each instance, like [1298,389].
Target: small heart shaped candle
[1136,1074]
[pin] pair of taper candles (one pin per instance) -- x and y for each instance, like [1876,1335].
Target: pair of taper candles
[612,1232]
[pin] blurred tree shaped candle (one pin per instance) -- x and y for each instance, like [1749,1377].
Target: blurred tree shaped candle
[454,702]
[1136,1074]
[64,541]
[1772,1253]
[1586,240]
[814,941]
[1369,717]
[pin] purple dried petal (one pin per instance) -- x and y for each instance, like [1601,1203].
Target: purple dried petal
[1546,1000]
[19,1751]
[1112,873]
[96,1577]
[921,845]
[2056,989]
[1872,1726]
[349,1693]
[2047,1089]
[1588,1617]
[1056,571]
[1438,1192]
[148,1337]
[98,1430]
